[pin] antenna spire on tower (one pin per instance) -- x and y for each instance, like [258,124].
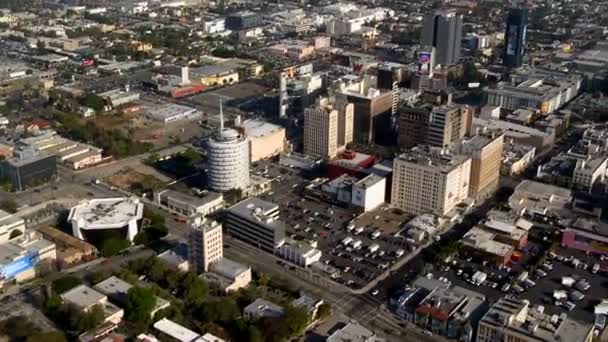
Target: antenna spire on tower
[221,117]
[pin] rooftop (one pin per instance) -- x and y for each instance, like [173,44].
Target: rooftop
[117,290]
[107,212]
[168,110]
[28,244]
[506,314]
[176,331]
[259,128]
[354,332]
[228,268]
[435,158]
[83,296]
[263,308]
[369,181]
[483,240]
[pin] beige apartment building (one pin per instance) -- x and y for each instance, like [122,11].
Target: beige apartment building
[328,127]
[206,243]
[515,320]
[430,180]
[485,149]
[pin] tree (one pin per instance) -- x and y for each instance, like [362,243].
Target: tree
[41,47]
[93,101]
[140,303]
[91,319]
[157,269]
[51,336]
[17,327]
[324,311]
[194,290]
[255,335]
[296,319]
[9,206]
[222,310]
[113,246]
[66,283]
[192,156]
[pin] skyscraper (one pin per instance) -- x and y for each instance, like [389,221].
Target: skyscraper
[443,31]
[515,37]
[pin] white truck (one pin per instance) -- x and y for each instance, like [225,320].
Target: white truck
[478,278]
[359,230]
[347,240]
[357,244]
[374,248]
[568,281]
[399,253]
[375,234]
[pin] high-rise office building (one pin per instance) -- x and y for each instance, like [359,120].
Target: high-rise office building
[206,243]
[227,159]
[443,31]
[328,127]
[515,37]
[430,180]
[433,125]
[485,149]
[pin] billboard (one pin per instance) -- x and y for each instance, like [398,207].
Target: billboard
[9,271]
[424,62]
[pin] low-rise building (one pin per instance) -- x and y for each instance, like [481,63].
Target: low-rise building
[544,95]
[310,304]
[354,332]
[11,226]
[588,172]
[230,275]
[516,159]
[261,308]
[70,250]
[256,222]
[518,134]
[106,213]
[300,253]
[534,199]
[180,333]
[421,228]
[21,257]
[172,112]
[85,298]
[117,290]
[28,168]
[512,319]
[483,243]
[452,312]
[369,192]
[117,97]
[188,205]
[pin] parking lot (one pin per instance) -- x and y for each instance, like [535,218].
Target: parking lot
[361,250]
[542,282]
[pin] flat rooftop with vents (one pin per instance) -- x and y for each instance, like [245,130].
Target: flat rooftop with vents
[106,213]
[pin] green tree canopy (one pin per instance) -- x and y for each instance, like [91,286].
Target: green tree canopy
[140,303]
[113,246]
[65,283]
[51,336]
[91,319]
[9,206]
[194,290]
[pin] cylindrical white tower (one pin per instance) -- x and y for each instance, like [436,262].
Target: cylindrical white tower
[228,161]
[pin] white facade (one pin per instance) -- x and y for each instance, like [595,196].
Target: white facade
[369,192]
[328,127]
[206,243]
[299,253]
[106,213]
[9,224]
[430,182]
[589,171]
[214,26]
[228,161]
